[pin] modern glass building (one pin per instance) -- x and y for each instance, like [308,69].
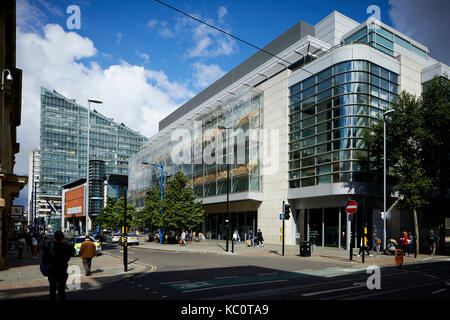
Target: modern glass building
[302,110]
[63,148]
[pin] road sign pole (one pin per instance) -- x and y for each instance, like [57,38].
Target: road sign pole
[125,240]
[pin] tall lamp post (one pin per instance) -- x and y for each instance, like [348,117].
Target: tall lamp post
[384,177]
[162,193]
[87,157]
[228,187]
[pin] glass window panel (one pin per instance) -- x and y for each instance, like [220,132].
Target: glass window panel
[358,132]
[374,80]
[294,165]
[324,137]
[393,87]
[324,179]
[307,152]
[295,98]
[384,42]
[359,144]
[294,117]
[308,82]
[294,155]
[324,158]
[308,92]
[308,102]
[342,78]
[324,95]
[324,74]
[360,155]
[308,111]
[361,121]
[295,126]
[383,49]
[342,144]
[295,107]
[374,102]
[384,73]
[308,132]
[308,182]
[384,84]
[362,98]
[294,174]
[393,77]
[308,162]
[419,51]
[384,95]
[308,122]
[294,184]
[323,148]
[308,172]
[295,88]
[323,116]
[324,105]
[356,35]
[385,33]
[342,67]
[323,127]
[324,169]
[308,142]
[295,136]
[402,42]
[375,69]
[360,65]
[323,85]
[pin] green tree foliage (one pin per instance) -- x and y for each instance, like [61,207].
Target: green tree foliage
[417,145]
[111,216]
[180,209]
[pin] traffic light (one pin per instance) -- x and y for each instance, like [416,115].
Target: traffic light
[287,210]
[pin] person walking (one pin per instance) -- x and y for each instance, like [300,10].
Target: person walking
[183,238]
[21,245]
[57,253]
[86,253]
[364,247]
[404,242]
[259,238]
[251,237]
[376,243]
[34,247]
[410,243]
[432,240]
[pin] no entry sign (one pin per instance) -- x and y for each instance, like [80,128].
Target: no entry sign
[351,207]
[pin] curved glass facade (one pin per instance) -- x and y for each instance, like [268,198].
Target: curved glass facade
[206,168]
[328,113]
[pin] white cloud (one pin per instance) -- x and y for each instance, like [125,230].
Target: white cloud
[143,56]
[204,74]
[151,23]
[221,12]
[131,94]
[119,36]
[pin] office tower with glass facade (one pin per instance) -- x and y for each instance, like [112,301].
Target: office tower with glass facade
[63,149]
[302,111]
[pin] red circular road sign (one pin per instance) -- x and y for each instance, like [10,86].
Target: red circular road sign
[351,207]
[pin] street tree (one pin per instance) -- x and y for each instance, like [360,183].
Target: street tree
[111,216]
[180,208]
[413,142]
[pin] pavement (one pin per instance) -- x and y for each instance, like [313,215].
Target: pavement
[22,278]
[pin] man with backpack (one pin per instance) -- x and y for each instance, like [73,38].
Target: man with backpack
[54,264]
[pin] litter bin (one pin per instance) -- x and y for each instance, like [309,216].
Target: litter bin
[305,249]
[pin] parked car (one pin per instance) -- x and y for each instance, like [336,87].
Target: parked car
[79,240]
[114,238]
[131,239]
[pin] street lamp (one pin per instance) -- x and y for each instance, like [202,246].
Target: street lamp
[228,185]
[87,157]
[162,192]
[8,78]
[384,177]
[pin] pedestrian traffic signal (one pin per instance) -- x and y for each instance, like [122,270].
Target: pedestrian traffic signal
[287,210]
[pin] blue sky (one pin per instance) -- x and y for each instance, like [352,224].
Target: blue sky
[143,60]
[130,30]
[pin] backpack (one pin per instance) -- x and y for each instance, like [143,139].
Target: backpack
[47,266]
